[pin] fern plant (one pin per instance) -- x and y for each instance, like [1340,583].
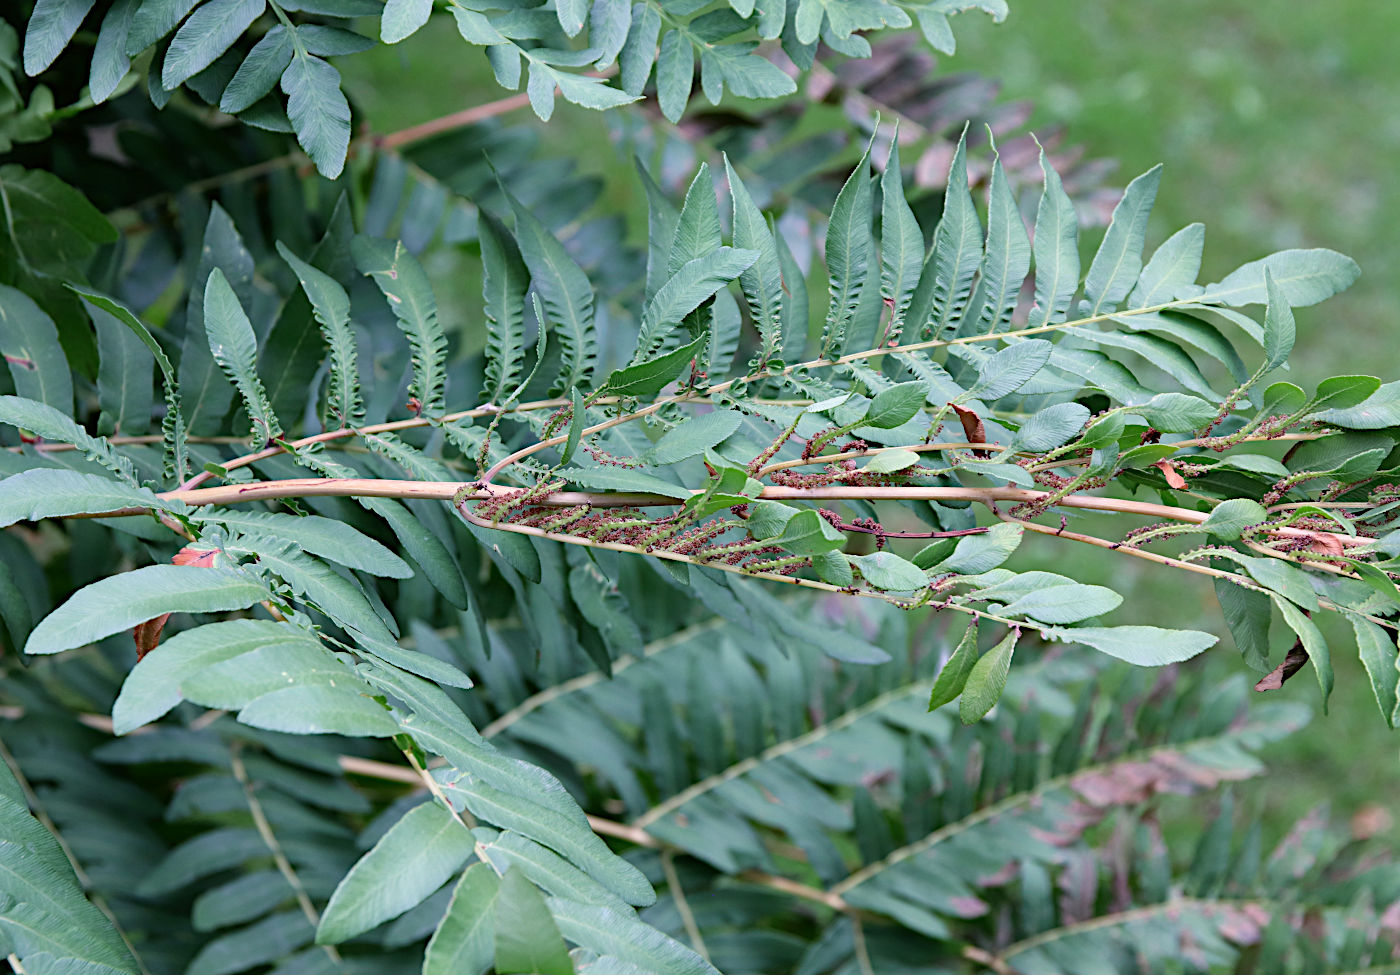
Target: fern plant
[264,61]
[616,629]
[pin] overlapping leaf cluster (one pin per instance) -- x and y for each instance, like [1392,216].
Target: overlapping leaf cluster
[265,61]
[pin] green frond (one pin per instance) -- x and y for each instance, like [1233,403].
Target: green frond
[331,306]
[234,347]
[46,423]
[410,296]
[47,919]
[849,246]
[503,282]
[567,295]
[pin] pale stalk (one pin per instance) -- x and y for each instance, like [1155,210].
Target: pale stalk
[477,491]
[387,427]
[872,452]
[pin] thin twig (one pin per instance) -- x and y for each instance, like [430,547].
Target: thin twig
[371,769]
[814,894]
[986,959]
[673,883]
[862,953]
[1174,905]
[387,427]
[463,818]
[409,423]
[1105,543]
[269,837]
[872,452]
[821,731]
[44,447]
[456,120]
[622,831]
[393,141]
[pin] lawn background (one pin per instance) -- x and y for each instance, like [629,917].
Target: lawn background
[1279,126]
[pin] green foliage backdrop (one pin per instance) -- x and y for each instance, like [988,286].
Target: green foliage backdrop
[612,621]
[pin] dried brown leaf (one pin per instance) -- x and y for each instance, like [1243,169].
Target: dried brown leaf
[1079,886]
[1371,820]
[1292,663]
[147,634]
[973,428]
[1327,544]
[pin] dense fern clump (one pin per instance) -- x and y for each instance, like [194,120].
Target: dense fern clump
[253,60]
[613,624]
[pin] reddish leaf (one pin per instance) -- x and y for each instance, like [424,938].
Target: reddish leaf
[1189,950]
[1079,886]
[204,558]
[1314,925]
[1292,663]
[1243,925]
[147,634]
[968,906]
[1295,856]
[1008,872]
[1390,918]
[1132,782]
[1173,476]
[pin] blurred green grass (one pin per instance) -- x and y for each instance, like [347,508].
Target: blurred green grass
[1276,120]
[1277,125]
